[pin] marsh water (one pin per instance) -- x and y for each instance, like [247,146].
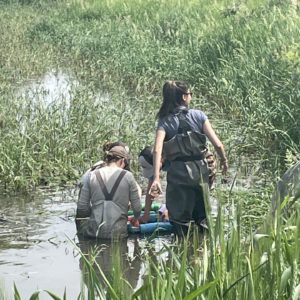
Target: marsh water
[39,246]
[39,249]
[36,250]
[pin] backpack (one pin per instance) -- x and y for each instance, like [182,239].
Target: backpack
[186,145]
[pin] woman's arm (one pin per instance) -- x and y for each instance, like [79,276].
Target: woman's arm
[156,189]
[135,195]
[210,133]
[148,202]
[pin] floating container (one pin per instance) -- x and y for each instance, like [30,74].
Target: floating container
[165,227]
[156,226]
[155,206]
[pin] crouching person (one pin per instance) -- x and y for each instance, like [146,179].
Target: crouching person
[102,208]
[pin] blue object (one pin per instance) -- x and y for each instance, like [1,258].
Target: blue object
[165,227]
[153,217]
[156,226]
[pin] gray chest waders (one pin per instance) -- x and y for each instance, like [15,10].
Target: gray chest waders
[106,214]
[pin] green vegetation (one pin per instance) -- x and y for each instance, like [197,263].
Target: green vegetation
[241,58]
[243,61]
[225,263]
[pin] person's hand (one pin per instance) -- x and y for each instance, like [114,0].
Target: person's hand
[155,189]
[134,222]
[144,219]
[224,165]
[163,213]
[165,216]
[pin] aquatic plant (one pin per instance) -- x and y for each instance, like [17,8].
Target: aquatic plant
[242,60]
[226,262]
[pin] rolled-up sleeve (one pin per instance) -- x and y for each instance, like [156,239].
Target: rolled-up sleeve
[135,195]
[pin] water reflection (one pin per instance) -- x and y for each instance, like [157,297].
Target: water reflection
[26,220]
[118,261]
[55,86]
[38,246]
[35,248]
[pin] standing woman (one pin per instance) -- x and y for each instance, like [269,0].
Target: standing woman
[181,139]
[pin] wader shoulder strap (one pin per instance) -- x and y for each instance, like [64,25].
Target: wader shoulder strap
[184,126]
[114,188]
[109,196]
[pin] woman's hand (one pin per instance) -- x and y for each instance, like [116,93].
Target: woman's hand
[210,133]
[134,222]
[224,165]
[144,219]
[155,189]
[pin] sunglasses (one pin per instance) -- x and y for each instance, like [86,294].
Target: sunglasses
[190,93]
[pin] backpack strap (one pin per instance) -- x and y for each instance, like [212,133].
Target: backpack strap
[184,126]
[109,196]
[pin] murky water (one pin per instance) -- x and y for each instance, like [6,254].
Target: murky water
[55,86]
[36,250]
[38,242]
[38,246]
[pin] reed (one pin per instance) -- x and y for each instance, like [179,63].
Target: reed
[242,60]
[226,262]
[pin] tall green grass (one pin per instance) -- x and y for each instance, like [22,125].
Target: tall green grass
[242,59]
[224,263]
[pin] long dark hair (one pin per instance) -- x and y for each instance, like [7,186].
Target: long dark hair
[172,97]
